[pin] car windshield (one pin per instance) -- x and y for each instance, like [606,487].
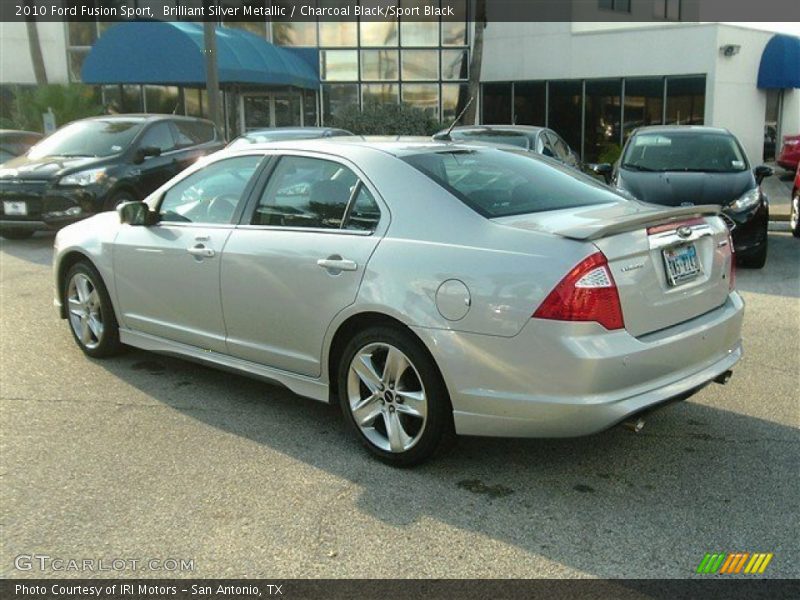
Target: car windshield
[88,138]
[500,183]
[495,137]
[706,152]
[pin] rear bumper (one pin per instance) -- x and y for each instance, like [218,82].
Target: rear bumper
[557,379]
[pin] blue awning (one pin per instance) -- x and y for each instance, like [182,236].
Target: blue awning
[160,53]
[780,63]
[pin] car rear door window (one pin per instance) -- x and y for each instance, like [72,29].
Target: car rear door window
[306,192]
[560,148]
[210,195]
[193,133]
[364,213]
[158,135]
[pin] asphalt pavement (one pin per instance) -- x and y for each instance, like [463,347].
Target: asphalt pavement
[149,457]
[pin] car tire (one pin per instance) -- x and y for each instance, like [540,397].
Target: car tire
[794,217]
[90,313]
[16,234]
[393,396]
[755,260]
[115,200]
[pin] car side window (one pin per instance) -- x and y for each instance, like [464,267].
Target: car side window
[547,145]
[306,192]
[193,133]
[158,135]
[210,195]
[559,146]
[364,213]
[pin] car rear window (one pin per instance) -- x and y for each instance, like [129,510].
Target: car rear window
[499,183]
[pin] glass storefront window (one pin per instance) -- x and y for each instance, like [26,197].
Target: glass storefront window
[454,32]
[344,33]
[418,33]
[686,100]
[82,34]
[75,59]
[424,96]
[258,28]
[335,97]
[339,65]
[420,65]
[603,112]
[565,111]
[294,33]
[378,33]
[496,104]
[309,109]
[455,64]
[382,93]
[644,103]
[379,65]
[287,110]
[530,103]
[194,102]
[454,98]
[161,99]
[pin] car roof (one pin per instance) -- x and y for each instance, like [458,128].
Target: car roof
[19,132]
[266,130]
[146,117]
[680,128]
[521,129]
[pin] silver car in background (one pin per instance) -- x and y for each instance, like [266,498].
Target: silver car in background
[429,288]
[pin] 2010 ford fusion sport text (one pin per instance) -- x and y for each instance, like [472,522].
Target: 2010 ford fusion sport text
[431,289]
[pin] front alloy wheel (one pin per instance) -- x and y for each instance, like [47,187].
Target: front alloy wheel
[89,310]
[393,395]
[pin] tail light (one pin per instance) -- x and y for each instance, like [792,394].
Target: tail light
[587,293]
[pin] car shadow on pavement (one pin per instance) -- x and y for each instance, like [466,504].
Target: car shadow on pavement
[615,504]
[781,275]
[37,249]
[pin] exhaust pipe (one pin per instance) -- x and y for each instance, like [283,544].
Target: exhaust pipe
[635,425]
[723,378]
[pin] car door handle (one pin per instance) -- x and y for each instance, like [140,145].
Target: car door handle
[201,251]
[336,263]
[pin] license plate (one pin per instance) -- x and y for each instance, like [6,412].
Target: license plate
[15,208]
[681,264]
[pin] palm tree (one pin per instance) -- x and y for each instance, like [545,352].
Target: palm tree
[39,71]
[476,60]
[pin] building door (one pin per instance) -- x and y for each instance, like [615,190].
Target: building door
[772,123]
[272,110]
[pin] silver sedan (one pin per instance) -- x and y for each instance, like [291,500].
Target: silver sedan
[431,289]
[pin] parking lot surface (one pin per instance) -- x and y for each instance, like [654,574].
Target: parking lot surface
[145,456]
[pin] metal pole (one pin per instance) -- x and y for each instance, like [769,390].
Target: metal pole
[212,73]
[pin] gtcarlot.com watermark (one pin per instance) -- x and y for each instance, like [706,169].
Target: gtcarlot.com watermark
[57,564]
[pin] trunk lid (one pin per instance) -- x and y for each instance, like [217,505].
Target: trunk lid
[652,253]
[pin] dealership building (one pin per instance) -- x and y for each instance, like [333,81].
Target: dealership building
[591,81]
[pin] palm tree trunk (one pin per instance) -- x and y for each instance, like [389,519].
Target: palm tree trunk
[39,71]
[476,60]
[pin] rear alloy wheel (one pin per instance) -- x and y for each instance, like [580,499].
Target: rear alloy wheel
[90,313]
[16,234]
[393,396]
[794,217]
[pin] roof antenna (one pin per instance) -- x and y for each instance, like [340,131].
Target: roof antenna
[446,137]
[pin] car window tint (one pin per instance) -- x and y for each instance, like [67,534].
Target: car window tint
[306,192]
[684,151]
[499,183]
[210,195]
[159,136]
[364,214]
[547,146]
[193,133]
[559,146]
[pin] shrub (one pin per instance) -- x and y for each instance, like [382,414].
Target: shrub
[386,119]
[68,102]
[610,154]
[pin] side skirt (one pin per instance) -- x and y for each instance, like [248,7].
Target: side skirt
[299,384]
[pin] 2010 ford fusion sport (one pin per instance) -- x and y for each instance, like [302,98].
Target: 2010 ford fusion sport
[431,289]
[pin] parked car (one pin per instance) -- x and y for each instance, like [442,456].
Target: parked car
[432,289]
[684,165]
[284,134]
[789,157]
[16,143]
[92,165]
[794,217]
[534,139]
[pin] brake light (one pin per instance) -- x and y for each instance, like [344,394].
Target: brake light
[586,293]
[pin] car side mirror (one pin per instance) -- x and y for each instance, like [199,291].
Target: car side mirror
[603,169]
[762,172]
[136,214]
[144,152]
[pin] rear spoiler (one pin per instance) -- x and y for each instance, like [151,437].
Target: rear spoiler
[635,221]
